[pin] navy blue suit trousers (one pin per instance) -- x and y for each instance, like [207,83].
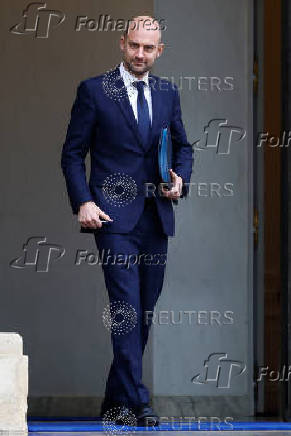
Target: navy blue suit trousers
[136,284]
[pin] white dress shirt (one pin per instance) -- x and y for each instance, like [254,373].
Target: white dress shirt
[132,91]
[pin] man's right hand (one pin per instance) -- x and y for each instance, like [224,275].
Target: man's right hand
[90,215]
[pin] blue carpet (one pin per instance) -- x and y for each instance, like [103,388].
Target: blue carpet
[93,425]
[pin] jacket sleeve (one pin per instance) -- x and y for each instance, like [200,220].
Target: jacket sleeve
[182,150]
[76,146]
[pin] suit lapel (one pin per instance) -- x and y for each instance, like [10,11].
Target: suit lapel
[156,108]
[124,105]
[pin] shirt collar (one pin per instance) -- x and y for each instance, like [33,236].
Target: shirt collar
[130,78]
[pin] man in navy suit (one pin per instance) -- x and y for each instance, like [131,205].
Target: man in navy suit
[118,116]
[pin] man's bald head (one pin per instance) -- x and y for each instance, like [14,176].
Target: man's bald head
[147,22]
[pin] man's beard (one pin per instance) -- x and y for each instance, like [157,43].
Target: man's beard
[132,68]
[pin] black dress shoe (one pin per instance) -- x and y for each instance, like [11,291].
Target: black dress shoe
[146,417]
[105,406]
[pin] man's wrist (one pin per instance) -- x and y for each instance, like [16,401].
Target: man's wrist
[85,202]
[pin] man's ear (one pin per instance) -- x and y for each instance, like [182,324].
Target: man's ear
[122,42]
[161,46]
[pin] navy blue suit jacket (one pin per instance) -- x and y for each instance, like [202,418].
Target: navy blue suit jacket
[106,126]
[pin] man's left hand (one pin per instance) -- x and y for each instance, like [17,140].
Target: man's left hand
[176,187]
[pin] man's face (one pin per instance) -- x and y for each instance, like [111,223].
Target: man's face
[141,48]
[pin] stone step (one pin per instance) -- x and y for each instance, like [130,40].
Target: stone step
[11,343]
[13,385]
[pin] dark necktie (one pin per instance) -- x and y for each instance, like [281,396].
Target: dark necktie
[142,112]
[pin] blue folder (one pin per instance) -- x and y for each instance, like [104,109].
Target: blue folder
[165,154]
